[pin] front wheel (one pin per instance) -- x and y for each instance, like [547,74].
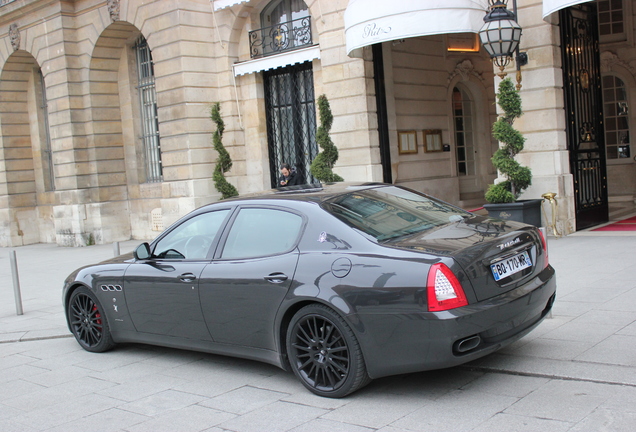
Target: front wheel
[324,352]
[88,322]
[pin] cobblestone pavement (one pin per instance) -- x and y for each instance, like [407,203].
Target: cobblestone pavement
[575,372]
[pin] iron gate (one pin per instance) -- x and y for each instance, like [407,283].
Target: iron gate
[291,120]
[584,113]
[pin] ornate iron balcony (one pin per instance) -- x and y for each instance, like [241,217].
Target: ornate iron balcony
[282,37]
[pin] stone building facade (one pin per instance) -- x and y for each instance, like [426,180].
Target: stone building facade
[105,132]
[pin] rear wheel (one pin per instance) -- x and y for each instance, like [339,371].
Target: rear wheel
[324,352]
[88,321]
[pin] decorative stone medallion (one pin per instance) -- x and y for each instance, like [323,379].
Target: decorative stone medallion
[14,36]
[113,9]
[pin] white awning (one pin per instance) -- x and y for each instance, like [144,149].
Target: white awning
[368,22]
[551,6]
[275,61]
[222,4]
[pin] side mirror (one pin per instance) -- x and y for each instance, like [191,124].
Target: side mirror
[142,252]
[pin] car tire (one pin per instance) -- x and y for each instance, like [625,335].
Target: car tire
[324,353]
[88,321]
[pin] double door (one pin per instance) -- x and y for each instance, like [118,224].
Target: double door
[584,113]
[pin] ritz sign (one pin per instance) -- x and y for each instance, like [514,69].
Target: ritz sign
[372,30]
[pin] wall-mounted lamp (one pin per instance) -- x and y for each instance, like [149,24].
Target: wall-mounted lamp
[500,36]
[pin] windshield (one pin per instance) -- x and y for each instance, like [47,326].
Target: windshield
[391,212]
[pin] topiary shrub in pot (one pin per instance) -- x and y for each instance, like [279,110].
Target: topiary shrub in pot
[224,162]
[503,196]
[321,167]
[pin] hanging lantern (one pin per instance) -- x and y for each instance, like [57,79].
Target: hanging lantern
[500,34]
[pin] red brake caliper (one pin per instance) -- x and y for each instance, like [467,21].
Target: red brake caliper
[97,315]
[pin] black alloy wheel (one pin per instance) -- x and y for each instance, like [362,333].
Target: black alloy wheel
[324,353]
[88,321]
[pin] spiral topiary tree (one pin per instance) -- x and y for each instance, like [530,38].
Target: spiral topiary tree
[322,165]
[517,177]
[223,162]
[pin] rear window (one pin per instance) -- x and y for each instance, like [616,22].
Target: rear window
[391,212]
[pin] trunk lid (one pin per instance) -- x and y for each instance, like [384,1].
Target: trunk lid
[479,242]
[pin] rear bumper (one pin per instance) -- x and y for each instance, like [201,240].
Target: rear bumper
[412,341]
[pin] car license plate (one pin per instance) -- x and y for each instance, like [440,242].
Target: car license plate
[510,266]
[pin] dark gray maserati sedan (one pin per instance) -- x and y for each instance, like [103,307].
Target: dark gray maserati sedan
[340,283]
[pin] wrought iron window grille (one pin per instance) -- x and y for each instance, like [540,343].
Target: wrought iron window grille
[47,154]
[148,106]
[291,120]
[286,36]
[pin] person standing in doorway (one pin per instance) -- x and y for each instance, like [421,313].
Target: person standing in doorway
[288,176]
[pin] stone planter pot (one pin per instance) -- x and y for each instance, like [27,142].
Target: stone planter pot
[526,211]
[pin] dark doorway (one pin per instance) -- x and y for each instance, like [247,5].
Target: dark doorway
[584,113]
[291,119]
[383,122]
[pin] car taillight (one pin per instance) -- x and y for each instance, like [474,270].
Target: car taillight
[443,289]
[544,243]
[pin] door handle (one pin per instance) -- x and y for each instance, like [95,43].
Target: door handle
[187,277]
[276,277]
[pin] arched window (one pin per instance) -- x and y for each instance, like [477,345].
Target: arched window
[616,114]
[148,107]
[286,25]
[464,134]
[281,11]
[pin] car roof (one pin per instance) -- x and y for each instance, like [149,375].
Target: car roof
[309,192]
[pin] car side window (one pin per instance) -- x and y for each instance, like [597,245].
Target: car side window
[191,239]
[260,232]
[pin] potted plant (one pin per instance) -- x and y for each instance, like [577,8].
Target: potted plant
[503,196]
[321,167]
[224,161]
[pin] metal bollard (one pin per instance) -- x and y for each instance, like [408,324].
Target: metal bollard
[551,198]
[16,283]
[116,249]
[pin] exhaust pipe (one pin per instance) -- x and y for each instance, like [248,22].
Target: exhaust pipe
[468,344]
